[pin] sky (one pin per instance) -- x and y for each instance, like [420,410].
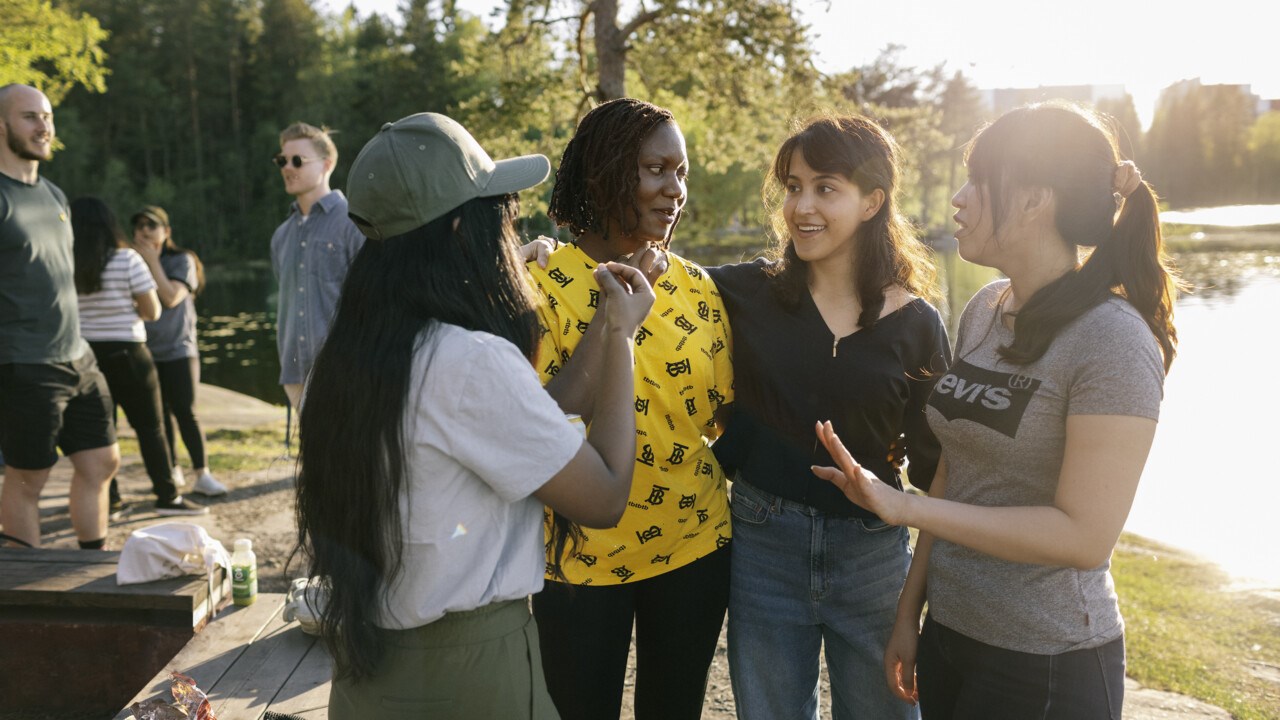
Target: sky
[1026,43]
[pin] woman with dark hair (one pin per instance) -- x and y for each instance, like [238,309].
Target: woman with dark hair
[834,324]
[1045,420]
[664,569]
[179,277]
[116,294]
[428,447]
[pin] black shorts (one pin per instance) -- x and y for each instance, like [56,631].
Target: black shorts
[48,406]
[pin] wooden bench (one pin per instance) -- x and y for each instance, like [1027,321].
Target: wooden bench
[250,661]
[74,641]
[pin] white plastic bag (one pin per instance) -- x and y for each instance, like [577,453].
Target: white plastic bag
[166,550]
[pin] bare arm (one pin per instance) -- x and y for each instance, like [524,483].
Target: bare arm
[576,386]
[170,292]
[148,305]
[592,489]
[1102,463]
[902,650]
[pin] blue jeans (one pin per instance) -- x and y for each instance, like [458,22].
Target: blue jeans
[802,581]
[965,679]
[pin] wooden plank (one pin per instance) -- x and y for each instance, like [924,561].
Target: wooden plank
[210,654]
[306,692]
[63,582]
[247,688]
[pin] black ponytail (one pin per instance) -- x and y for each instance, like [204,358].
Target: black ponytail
[1069,150]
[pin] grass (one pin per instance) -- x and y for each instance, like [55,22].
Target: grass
[1188,632]
[231,450]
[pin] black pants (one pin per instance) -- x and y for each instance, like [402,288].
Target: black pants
[135,387]
[964,679]
[586,634]
[178,381]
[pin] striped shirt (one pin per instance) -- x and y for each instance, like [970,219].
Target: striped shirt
[109,315]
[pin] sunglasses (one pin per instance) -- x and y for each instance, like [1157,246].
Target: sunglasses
[297,160]
[146,224]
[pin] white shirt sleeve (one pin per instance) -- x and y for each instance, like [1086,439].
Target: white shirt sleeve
[503,425]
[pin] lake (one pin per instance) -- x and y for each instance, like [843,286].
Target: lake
[1210,485]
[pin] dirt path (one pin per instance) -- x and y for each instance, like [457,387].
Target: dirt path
[260,506]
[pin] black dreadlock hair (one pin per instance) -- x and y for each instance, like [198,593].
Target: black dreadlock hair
[598,176]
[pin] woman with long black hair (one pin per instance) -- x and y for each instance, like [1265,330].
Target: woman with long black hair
[428,447]
[1045,419]
[116,294]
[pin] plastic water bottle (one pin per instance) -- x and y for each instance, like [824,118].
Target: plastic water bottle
[244,573]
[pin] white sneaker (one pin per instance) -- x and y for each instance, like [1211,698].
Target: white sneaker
[179,480]
[207,485]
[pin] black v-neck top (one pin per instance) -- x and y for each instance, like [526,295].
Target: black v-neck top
[790,371]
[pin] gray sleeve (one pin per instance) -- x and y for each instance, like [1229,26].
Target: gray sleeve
[1121,371]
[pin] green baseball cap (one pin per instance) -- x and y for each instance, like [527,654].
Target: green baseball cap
[420,167]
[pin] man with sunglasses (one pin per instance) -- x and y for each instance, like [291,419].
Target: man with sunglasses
[310,251]
[52,394]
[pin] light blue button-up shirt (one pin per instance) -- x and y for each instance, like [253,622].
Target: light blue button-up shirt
[310,256]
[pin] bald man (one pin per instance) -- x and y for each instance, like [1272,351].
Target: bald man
[52,394]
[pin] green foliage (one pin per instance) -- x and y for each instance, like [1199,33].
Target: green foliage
[50,48]
[1202,148]
[200,90]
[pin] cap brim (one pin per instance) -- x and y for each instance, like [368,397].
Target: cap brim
[519,173]
[145,214]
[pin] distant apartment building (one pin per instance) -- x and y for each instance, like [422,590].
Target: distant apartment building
[1001,100]
[1259,104]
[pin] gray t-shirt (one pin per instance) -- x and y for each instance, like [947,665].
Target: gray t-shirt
[39,317]
[482,435]
[173,336]
[1003,432]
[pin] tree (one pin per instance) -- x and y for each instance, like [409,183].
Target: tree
[1264,151]
[1127,126]
[50,48]
[1198,143]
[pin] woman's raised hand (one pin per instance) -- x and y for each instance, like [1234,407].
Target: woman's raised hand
[149,249]
[627,295]
[540,249]
[652,261]
[860,485]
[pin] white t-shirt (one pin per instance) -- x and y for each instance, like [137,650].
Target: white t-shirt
[109,314]
[482,435]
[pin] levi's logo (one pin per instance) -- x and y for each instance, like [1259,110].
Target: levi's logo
[992,399]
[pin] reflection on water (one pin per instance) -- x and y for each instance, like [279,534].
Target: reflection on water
[1210,485]
[237,331]
[1238,216]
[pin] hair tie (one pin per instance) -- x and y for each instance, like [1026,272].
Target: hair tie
[1125,178]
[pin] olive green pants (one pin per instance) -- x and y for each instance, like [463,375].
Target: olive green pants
[483,663]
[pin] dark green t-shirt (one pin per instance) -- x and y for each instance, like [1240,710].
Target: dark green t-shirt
[39,320]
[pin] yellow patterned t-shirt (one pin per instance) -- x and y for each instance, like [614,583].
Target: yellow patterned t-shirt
[679,509]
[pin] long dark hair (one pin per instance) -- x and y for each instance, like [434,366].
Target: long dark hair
[598,174]
[97,235]
[352,446]
[1072,151]
[172,248]
[886,252]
